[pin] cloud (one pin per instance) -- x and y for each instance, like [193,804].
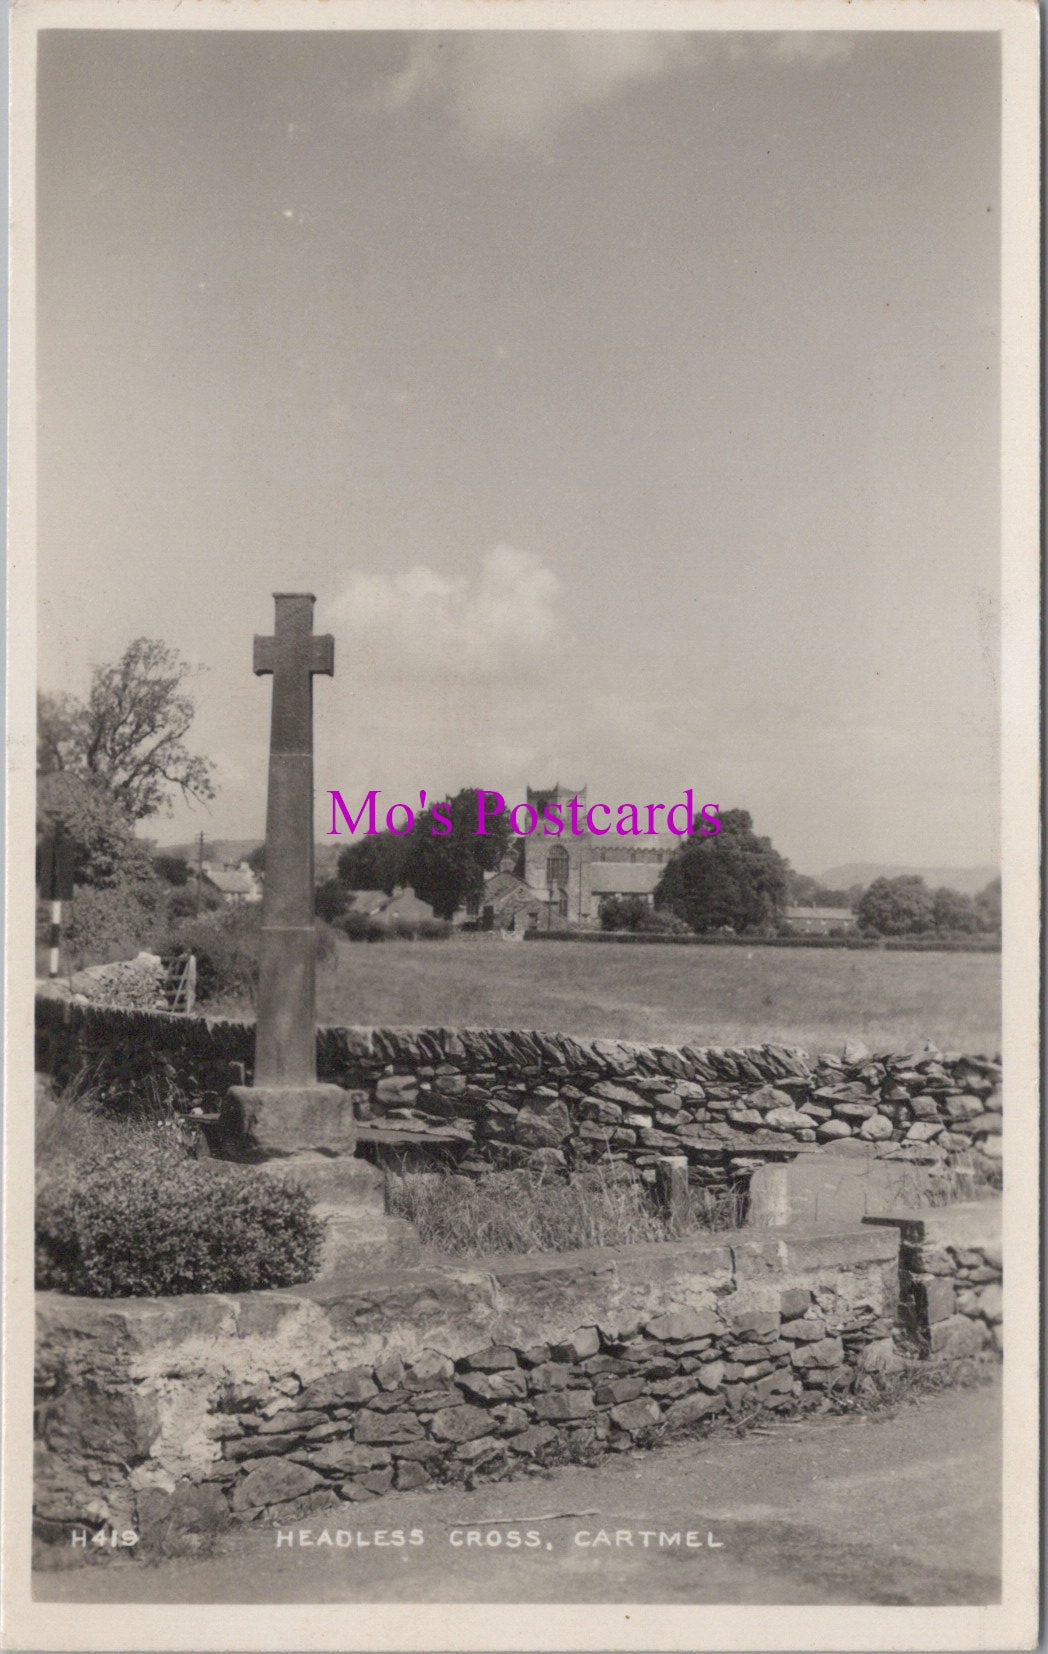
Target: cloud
[521,88]
[421,623]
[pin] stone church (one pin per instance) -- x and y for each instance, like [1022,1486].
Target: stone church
[566,880]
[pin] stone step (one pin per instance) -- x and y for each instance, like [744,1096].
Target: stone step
[361,1243]
[337,1183]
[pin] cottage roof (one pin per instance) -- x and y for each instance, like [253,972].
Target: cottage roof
[229,881]
[832,915]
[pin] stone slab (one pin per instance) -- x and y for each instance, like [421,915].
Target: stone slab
[969,1223]
[357,1243]
[257,1122]
[832,1190]
[334,1181]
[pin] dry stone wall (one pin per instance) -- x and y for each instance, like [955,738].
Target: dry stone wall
[951,1279]
[496,1098]
[271,1405]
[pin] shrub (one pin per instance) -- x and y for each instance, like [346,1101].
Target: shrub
[361,927]
[426,930]
[114,922]
[226,945]
[140,1219]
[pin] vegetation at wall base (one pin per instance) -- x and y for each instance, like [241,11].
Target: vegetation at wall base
[122,1211]
[539,1211]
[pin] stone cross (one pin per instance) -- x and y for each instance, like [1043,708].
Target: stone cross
[285,1033]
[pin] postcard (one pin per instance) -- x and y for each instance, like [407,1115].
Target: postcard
[522,875]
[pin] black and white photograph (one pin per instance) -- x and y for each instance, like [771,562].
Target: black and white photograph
[522,862]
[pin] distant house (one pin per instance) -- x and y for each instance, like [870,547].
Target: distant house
[402,907]
[506,903]
[610,879]
[819,921]
[233,884]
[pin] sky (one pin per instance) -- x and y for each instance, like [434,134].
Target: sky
[628,401]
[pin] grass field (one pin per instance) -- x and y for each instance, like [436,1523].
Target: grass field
[705,996]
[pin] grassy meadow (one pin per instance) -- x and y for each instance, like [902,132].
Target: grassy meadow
[706,996]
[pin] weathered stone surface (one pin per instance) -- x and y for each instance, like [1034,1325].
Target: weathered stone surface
[504,1386]
[347,1457]
[618,1390]
[460,1424]
[828,1352]
[386,1427]
[683,1324]
[564,1404]
[634,1416]
[273,1483]
[959,1335]
[806,1331]
[338,1390]
[496,1358]
[583,1343]
[692,1408]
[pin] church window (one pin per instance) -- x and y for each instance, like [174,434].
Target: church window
[557,865]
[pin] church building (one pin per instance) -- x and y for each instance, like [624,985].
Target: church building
[562,883]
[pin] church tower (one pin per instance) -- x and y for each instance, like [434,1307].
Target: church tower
[557,866]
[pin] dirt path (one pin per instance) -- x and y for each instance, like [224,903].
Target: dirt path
[891,1510]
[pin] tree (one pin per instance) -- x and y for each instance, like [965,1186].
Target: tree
[730,880]
[897,907]
[952,911]
[172,869]
[106,852]
[256,860]
[375,863]
[988,907]
[444,868]
[128,737]
[331,900]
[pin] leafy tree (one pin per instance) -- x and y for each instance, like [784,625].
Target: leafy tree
[375,863]
[129,735]
[172,869]
[897,907]
[952,911]
[988,907]
[106,851]
[634,913]
[331,900]
[733,879]
[804,891]
[442,868]
[256,860]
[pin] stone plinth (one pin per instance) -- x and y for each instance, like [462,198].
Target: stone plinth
[307,1134]
[259,1121]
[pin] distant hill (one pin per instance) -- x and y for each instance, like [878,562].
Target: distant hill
[968,880]
[215,849]
[238,849]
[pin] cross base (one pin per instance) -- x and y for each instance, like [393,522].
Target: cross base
[308,1134]
[257,1122]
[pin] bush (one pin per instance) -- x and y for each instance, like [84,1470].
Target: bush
[361,927]
[633,913]
[115,922]
[137,1218]
[226,944]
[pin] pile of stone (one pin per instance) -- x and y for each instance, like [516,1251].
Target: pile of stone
[128,984]
[353,1435]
